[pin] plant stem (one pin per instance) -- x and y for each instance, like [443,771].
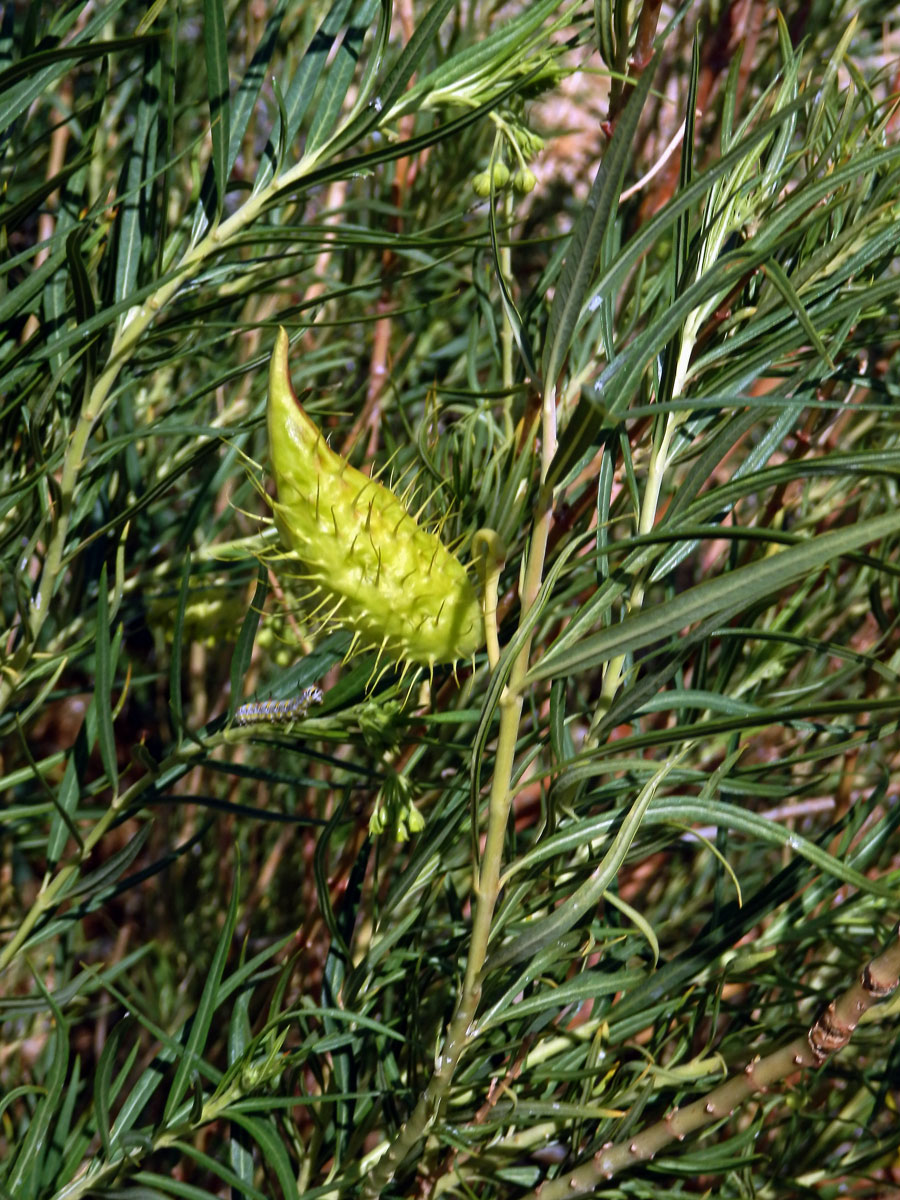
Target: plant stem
[462,1030]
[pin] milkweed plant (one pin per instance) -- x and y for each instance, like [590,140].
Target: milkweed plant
[450,530]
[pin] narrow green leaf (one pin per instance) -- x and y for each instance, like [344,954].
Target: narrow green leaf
[248,90]
[649,234]
[240,1155]
[33,200]
[243,650]
[213,1168]
[729,103]
[134,224]
[27,1163]
[605,31]
[175,703]
[631,1014]
[713,453]
[239,1032]
[365,114]
[620,378]
[77,51]
[297,97]
[588,985]
[34,80]
[589,231]
[321,874]
[685,811]
[519,332]
[66,1146]
[829,81]
[206,1010]
[488,58]
[412,56]
[96,883]
[679,264]
[16,301]
[157,1187]
[271,1146]
[140,1095]
[103,687]
[7,38]
[66,800]
[218,94]
[782,282]
[720,598]
[339,78]
[103,1081]
[501,673]
[637,919]
[579,439]
[560,738]
[542,932]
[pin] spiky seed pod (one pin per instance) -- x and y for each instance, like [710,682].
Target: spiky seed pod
[394,584]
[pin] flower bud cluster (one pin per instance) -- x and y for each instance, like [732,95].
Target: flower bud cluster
[521,143]
[394,809]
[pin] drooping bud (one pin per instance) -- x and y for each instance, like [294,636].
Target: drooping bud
[498,174]
[524,181]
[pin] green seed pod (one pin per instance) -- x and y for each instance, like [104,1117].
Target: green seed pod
[394,584]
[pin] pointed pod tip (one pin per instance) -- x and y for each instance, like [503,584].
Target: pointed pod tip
[289,426]
[280,386]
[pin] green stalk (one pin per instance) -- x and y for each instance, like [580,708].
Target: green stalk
[462,1030]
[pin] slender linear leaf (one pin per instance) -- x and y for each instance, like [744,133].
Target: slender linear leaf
[299,94]
[16,98]
[589,231]
[135,223]
[719,598]
[271,1147]
[27,1163]
[218,93]
[247,93]
[243,649]
[206,1011]
[339,76]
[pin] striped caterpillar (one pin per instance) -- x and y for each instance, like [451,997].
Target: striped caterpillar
[278,710]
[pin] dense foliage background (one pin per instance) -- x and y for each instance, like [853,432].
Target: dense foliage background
[617,282]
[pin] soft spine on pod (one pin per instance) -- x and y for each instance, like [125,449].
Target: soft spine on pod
[393,583]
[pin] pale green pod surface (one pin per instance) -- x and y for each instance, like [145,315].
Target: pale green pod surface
[395,584]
